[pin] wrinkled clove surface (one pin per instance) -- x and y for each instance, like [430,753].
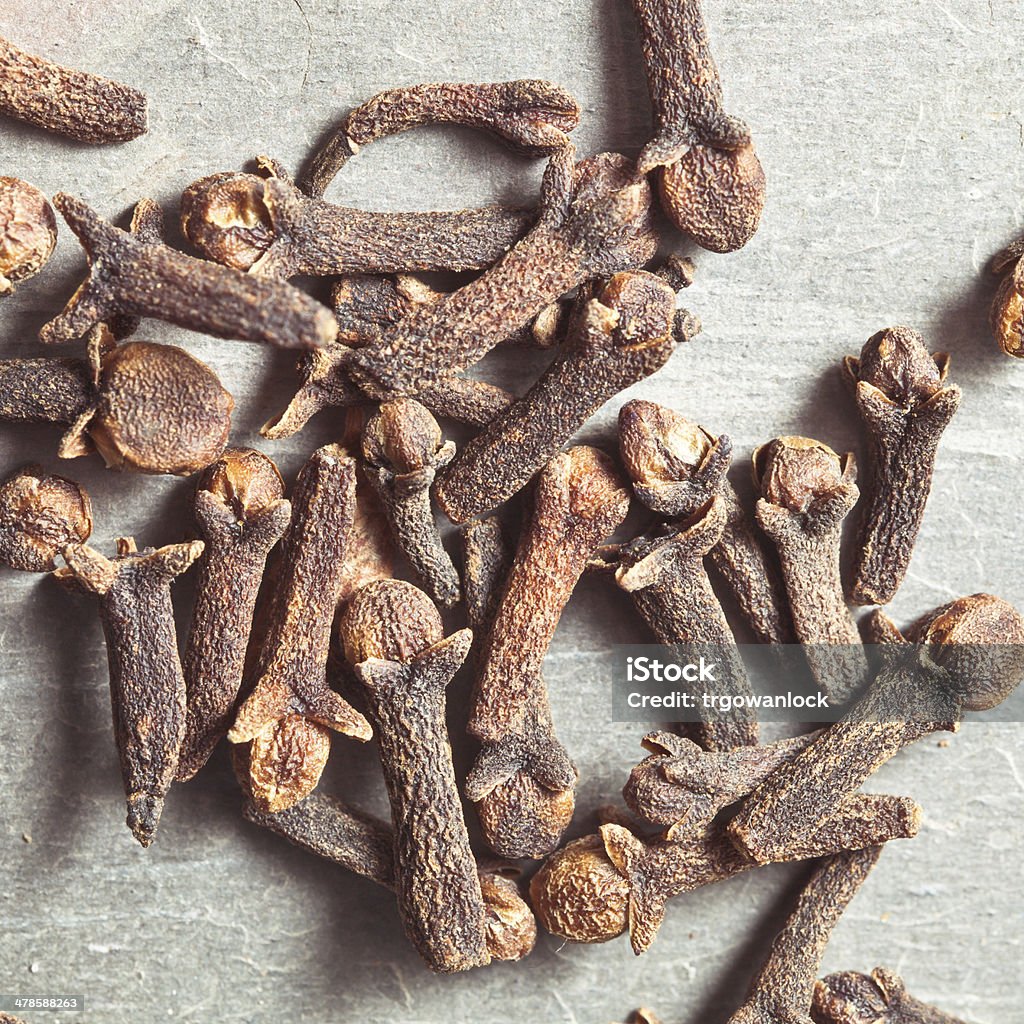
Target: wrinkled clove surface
[241,515]
[530,114]
[522,782]
[905,405]
[364,845]
[664,575]
[1006,316]
[143,407]
[147,686]
[964,656]
[40,515]
[595,221]
[683,786]
[267,227]
[393,636]
[782,989]
[677,468]
[80,105]
[291,710]
[595,888]
[131,275]
[403,448]
[711,181]
[28,231]
[880,997]
[806,491]
[620,336]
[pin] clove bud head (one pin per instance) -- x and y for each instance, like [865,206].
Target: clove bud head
[1006,315]
[28,232]
[286,761]
[715,195]
[659,446]
[521,817]
[39,516]
[897,363]
[579,894]
[796,472]
[852,998]
[159,410]
[981,641]
[245,480]
[391,620]
[402,436]
[224,216]
[509,921]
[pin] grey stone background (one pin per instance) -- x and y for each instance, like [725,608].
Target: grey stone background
[892,138]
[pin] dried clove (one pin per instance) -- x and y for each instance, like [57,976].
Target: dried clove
[1006,316]
[291,710]
[266,226]
[806,491]
[394,637]
[710,180]
[364,845]
[74,103]
[133,275]
[241,516]
[683,786]
[531,114]
[147,687]
[961,657]
[40,516]
[522,782]
[677,468]
[905,405]
[28,231]
[596,887]
[595,221]
[782,989]
[403,449]
[620,336]
[664,574]
[143,407]
[877,998]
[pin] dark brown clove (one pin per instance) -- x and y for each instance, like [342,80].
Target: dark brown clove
[877,998]
[28,230]
[241,516]
[677,468]
[364,845]
[291,711]
[664,574]
[711,182]
[595,221]
[266,226]
[147,687]
[782,988]
[39,516]
[595,888]
[1006,316]
[806,491]
[620,336]
[683,787]
[133,275]
[394,638]
[403,449]
[964,656]
[905,405]
[523,780]
[143,407]
[531,114]
[74,103]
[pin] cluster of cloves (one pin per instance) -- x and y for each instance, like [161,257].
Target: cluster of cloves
[300,629]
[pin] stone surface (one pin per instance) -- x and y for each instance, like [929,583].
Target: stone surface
[892,138]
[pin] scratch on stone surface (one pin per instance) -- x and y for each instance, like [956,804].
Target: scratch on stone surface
[570,1014]
[309,41]
[955,21]
[402,987]
[1008,757]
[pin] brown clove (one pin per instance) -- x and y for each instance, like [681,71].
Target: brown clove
[880,997]
[241,516]
[1006,316]
[74,103]
[28,231]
